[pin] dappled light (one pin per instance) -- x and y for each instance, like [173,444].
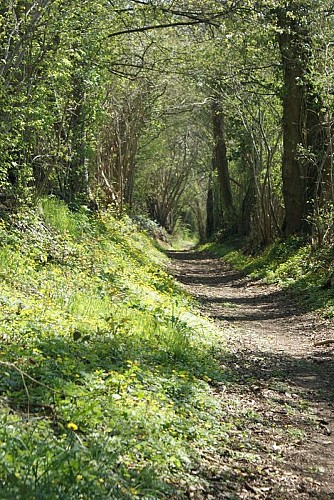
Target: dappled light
[166,249]
[274,370]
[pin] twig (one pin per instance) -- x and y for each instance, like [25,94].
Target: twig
[324,342]
[27,392]
[25,374]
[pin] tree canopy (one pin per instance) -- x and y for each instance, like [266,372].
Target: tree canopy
[216,113]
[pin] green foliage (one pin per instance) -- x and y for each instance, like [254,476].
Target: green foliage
[92,108]
[183,237]
[104,369]
[61,220]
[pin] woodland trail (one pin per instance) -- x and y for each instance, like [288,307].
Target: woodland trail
[276,375]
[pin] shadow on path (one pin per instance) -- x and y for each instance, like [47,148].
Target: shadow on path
[273,365]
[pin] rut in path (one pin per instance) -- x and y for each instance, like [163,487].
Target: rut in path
[276,365]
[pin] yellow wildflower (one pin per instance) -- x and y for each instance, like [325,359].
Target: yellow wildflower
[72,426]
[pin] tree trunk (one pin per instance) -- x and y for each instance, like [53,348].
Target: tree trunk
[220,162]
[294,170]
[210,216]
[77,187]
[305,158]
[247,209]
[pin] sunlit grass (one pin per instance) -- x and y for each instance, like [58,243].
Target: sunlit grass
[105,394]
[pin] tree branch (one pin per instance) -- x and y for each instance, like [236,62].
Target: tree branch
[158,26]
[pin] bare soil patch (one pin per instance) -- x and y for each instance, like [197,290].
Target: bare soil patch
[280,386]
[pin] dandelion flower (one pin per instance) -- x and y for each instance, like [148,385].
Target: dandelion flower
[72,426]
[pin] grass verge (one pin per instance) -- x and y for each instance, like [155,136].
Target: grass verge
[104,366]
[293,264]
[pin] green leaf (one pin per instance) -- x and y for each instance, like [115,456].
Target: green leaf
[76,335]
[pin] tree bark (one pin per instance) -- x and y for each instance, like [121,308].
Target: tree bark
[210,216]
[294,172]
[220,162]
[306,165]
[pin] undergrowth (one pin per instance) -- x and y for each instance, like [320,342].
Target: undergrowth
[104,369]
[293,264]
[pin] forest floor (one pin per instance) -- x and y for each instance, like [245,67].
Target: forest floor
[276,373]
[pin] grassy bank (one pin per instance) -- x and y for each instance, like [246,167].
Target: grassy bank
[292,264]
[104,368]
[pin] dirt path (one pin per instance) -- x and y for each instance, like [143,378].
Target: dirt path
[277,379]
